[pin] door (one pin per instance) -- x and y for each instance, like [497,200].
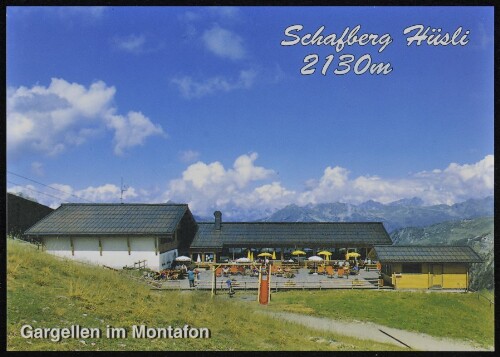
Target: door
[437,276]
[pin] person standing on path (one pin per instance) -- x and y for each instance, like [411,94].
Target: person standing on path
[230,287]
[191,278]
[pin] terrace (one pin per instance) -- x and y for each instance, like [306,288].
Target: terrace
[302,280]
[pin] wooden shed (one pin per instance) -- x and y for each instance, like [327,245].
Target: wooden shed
[426,267]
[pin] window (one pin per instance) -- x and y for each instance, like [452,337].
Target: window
[412,268]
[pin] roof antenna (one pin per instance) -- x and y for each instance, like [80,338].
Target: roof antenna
[122,189]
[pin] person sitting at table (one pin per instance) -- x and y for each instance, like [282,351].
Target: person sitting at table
[225,271]
[354,270]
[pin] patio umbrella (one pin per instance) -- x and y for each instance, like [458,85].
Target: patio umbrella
[274,255]
[326,254]
[298,252]
[265,255]
[315,258]
[182,258]
[198,260]
[249,256]
[352,255]
[243,260]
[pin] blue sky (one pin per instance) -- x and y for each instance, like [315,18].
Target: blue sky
[205,106]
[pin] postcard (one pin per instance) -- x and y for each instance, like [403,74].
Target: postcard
[220,178]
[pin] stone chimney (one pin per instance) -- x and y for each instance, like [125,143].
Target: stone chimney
[218,220]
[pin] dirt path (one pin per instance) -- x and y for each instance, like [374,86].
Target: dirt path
[371,331]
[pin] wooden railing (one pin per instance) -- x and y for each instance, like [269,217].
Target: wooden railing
[278,285]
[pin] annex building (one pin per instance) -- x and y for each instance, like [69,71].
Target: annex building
[426,267]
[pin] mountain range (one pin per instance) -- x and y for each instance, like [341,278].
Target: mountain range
[399,214]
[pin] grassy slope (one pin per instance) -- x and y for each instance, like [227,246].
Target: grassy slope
[44,291]
[453,315]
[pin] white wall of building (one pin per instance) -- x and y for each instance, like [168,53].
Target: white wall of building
[167,259]
[114,251]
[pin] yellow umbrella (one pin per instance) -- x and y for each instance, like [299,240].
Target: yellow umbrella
[249,255]
[265,255]
[274,255]
[326,254]
[298,252]
[352,255]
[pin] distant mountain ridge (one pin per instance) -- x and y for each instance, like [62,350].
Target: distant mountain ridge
[395,215]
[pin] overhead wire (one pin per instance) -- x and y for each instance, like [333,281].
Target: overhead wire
[56,189]
[43,193]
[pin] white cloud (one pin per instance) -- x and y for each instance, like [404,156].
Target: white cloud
[48,120]
[272,194]
[62,193]
[210,187]
[132,43]
[105,193]
[136,44]
[454,184]
[223,43]
[191,88]
[131,130]
[248,190]
[189,155]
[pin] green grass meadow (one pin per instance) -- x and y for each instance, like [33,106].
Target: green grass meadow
[45,291]
[451,315]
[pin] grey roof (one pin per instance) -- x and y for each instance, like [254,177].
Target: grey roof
[290,234]
[426,254]
[110,219]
